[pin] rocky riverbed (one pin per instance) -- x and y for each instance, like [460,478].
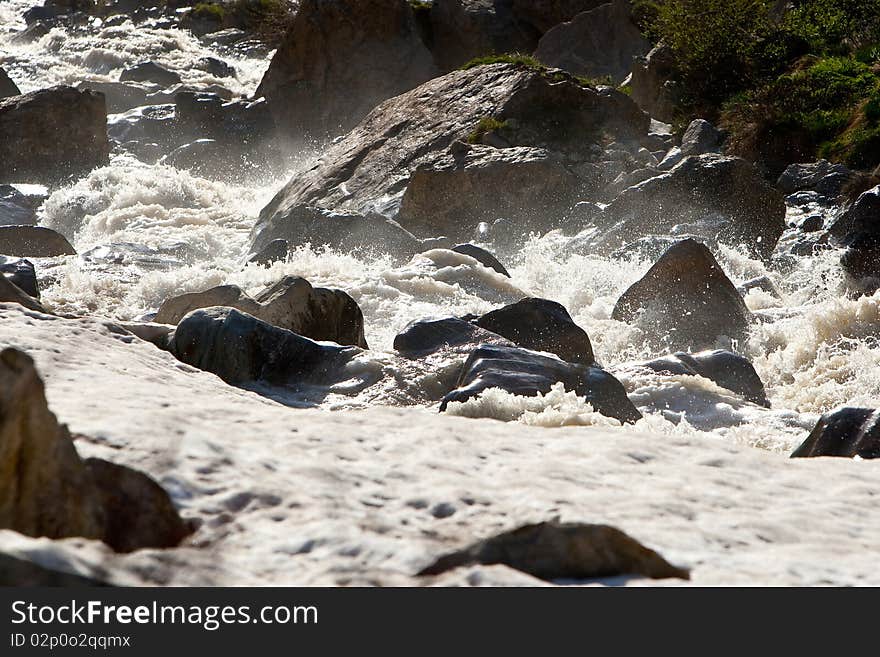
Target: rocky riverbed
[328,307]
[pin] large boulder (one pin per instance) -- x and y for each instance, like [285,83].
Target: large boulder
[150,72]
[543,15]
[685,300]
[7,86]
[860,218]
[555,551]
[822,176]
[541,325]
[526,373]
[47,490]
[652,84]
[291,303]
[371,167]
[729,370]
[724,195]
[422,337]
[846,432]
[599,43]
[33,242]
[240,348]
[701,137]
[341,59]
[50,134]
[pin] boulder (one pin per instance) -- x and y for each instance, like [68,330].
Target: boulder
[861,261]
[11,292]
[860,218]
[33,242]
[16,208]
[727,369]
[150,72]
[543,15]
[846,431]
[527,373]
[725,193]
[482,256]
[370,169]
[701,137]
[239,348]
[50,134]
[541,325]
[341,59]
[599,43]
[652,84]
[823,177]
[426,336]
[7,86]
[562,551]
[21,273]
[291,303]
[685,300]
[275,251]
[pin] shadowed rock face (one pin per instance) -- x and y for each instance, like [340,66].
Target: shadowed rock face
[685,300]
[46,490]
[341,59]
[7,86]
[526,373]
[20,273]
[33,242]
[482,256]
[239,348]
[291,303]
[50,134]
[371,167]
[541,325]
[553,550]
[9,291]
[846,432]
[425,336]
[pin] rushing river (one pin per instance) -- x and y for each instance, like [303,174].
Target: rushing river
[813,345]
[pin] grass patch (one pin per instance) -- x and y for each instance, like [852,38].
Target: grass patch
[209,11]
[517,58]
[486,125]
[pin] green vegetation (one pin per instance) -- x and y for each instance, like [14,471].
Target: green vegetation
[486,125]
[518,58]
[209,11]
[267,19]
[803,72]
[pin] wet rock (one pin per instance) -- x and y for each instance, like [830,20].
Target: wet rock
[701,137]
[20,572]
[274,251]
[727,369]
[823,177]
[33,32]
[371,167]
[341,59]
[7,86]
[598,43]
[541,325]
[33,242]
[846,432]
[762,283]
[120,96]
[20,273]
[482,256]
[859,218]
[16,208]
[861,262]
[652,86]
[726,191]
[527,373]
[563,551]
[49,134]
[812,224]
[426,336]
[150,72]
[239,348]
[46,490]
[291,303]
[9,292]
[217,67]
[685,300]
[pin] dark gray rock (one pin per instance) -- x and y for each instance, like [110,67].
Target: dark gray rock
[701,137]
[21,273]
[150,72]
[33,242]
[823,177]
[426,336]
[7,86]
[274,251]
[482,256]
[847,432]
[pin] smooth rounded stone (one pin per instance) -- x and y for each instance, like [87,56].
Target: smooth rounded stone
[7,86]
[727,369]
[555,551]
[21,273]
[217,67]
[527,373]
[150,72]
[275,251]
[239,348]
[482,256]
[341,59]
[649,248]
[845,432]
[33,242]
[598,43]
[9,292]
[685,300]
[425,336]
[50,134]
[291,303]
[823,177]
[701,137]
[542,325]
[727,192]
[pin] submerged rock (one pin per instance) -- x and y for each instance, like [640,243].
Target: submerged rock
[846,432]
[50,134]
[33,242]
[541,325]
[685,300]
[291,303]
[563,551]
[527,373]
